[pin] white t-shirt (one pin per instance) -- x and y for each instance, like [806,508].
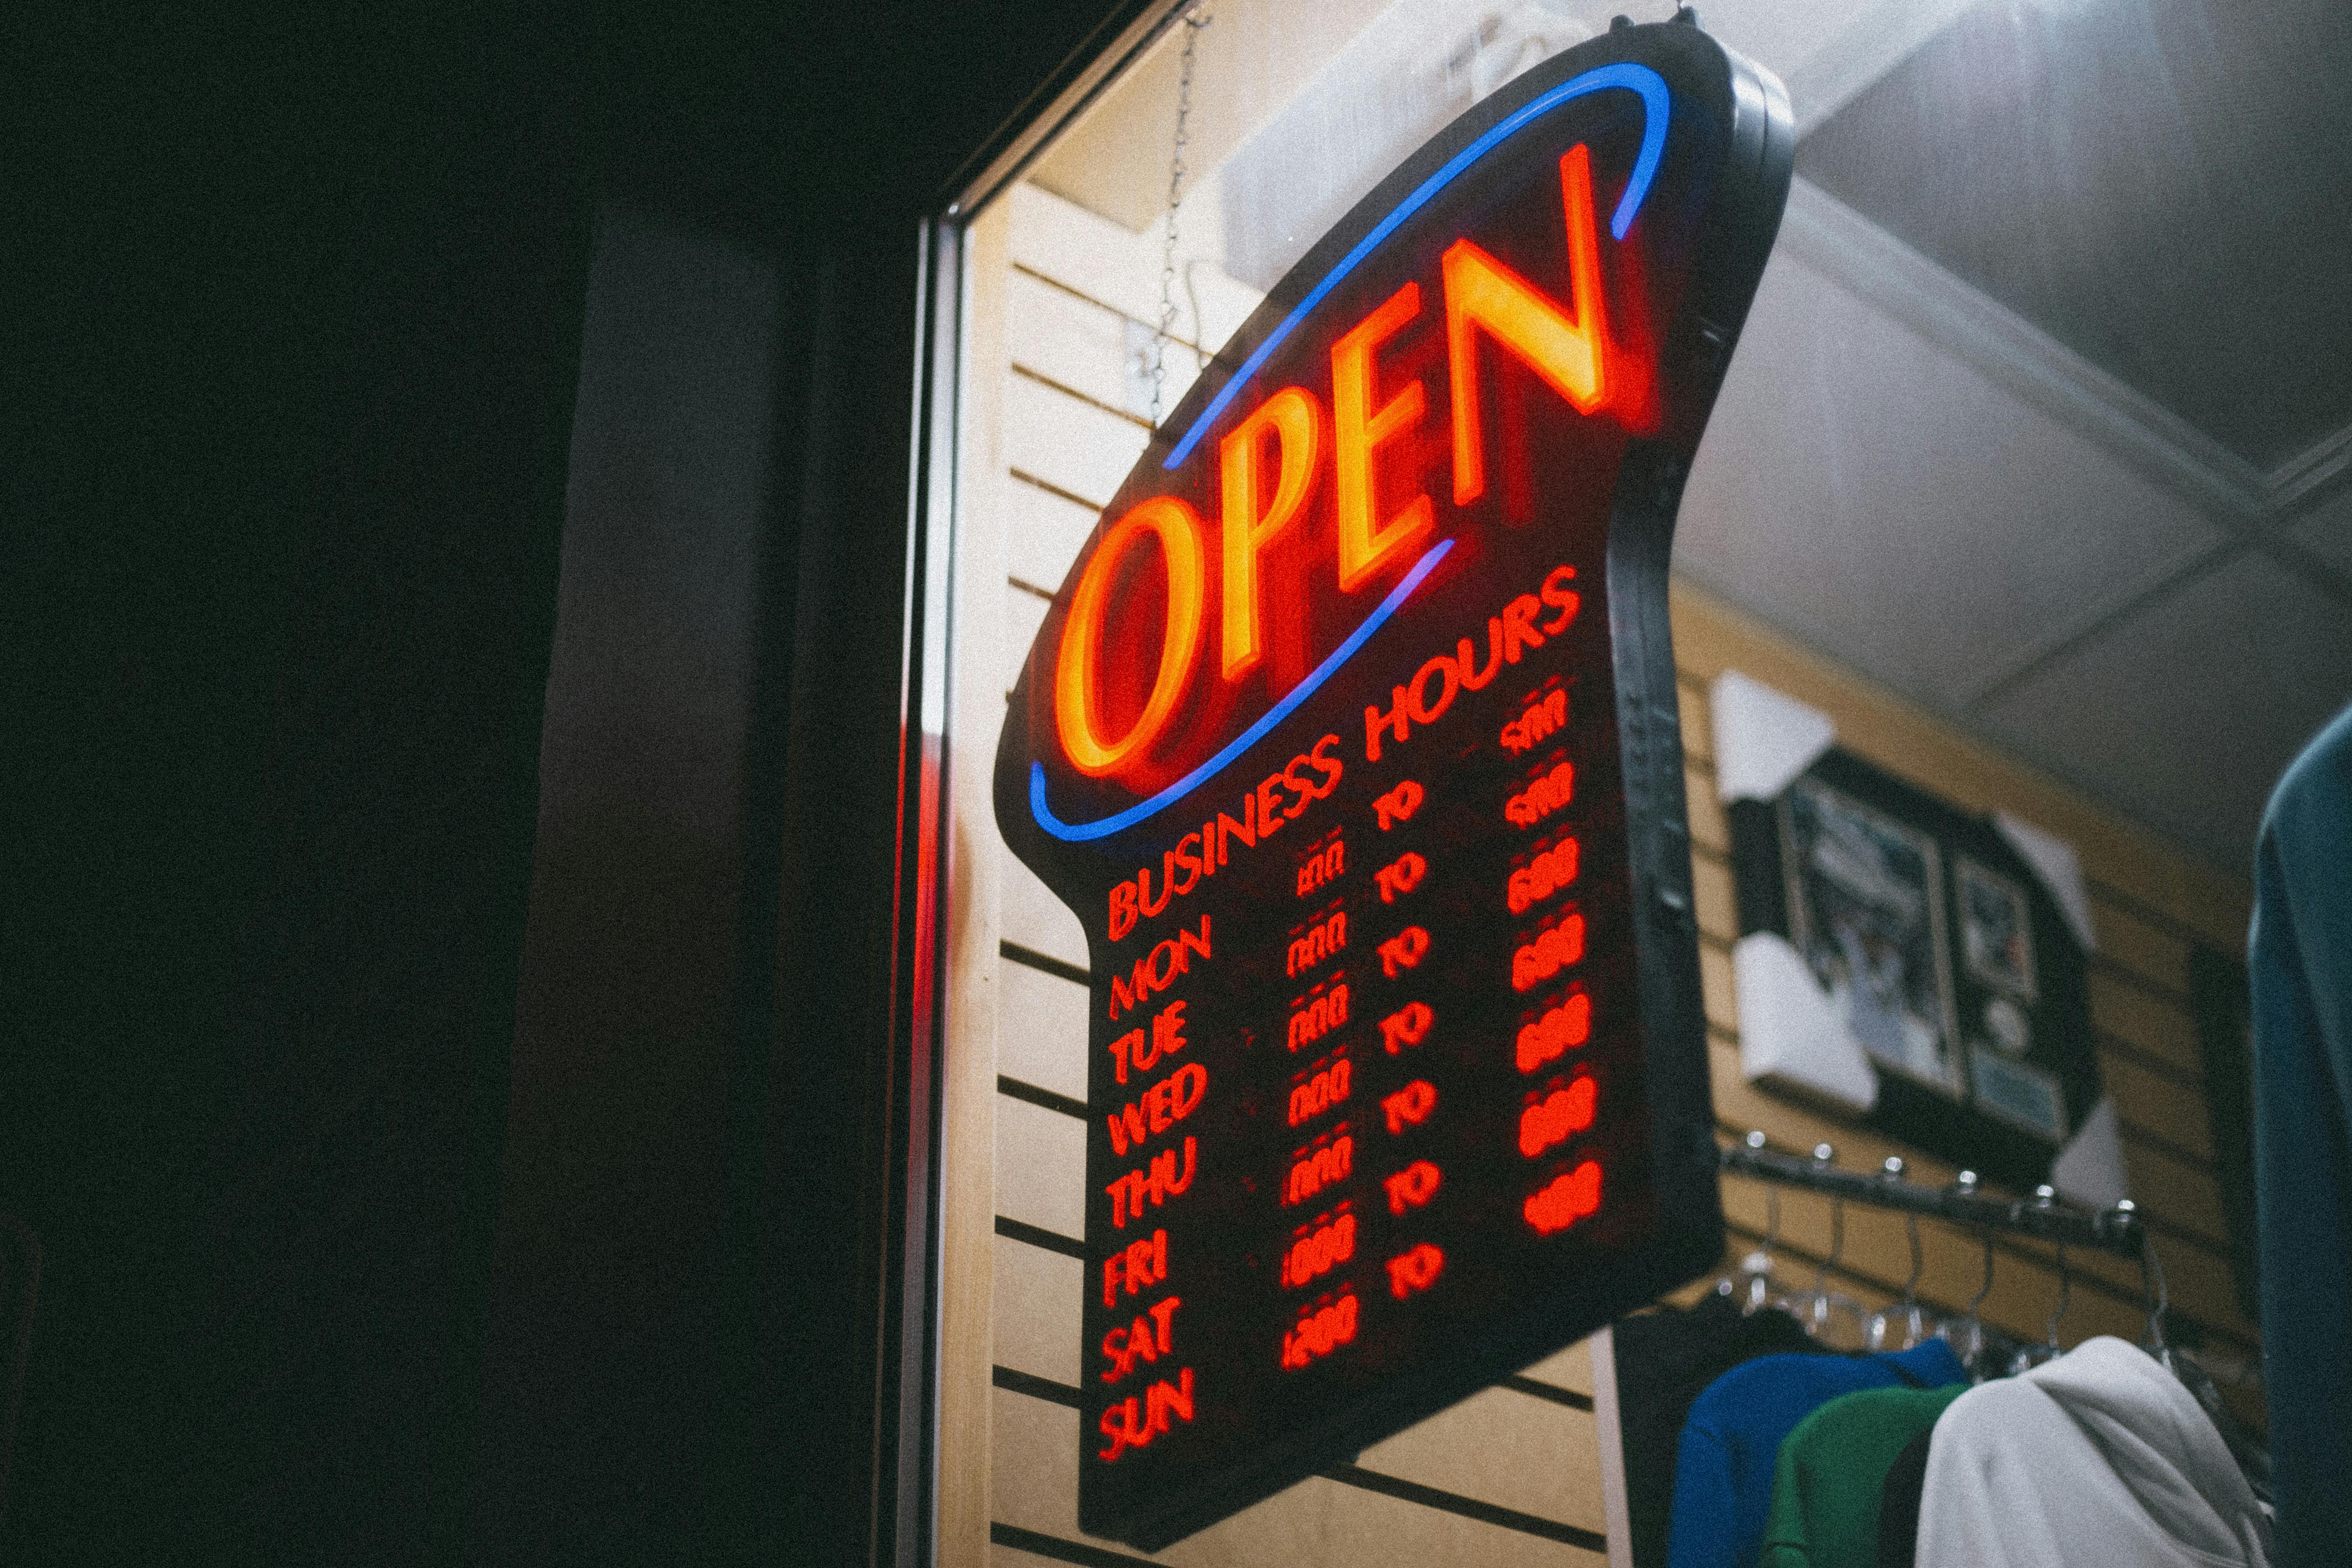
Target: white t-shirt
[2100,1456]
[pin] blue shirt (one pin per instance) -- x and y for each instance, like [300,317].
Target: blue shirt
[2301,971]
[1723,1467]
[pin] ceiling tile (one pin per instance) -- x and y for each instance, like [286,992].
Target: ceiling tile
[1876,496]
[2326,533]
[2186,713]
[2160,184]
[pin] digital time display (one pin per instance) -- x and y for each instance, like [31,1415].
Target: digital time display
[1352,740]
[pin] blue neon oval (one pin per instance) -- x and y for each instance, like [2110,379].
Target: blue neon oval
[1078,833]
[1642,79]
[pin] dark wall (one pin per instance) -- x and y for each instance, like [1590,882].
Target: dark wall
[294,312]
[693,1353]
[450,942]
[637,949]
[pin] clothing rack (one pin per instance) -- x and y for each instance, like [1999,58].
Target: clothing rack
[2119,1230]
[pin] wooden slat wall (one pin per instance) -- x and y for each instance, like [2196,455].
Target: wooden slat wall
[2149,904]
[1512,1475]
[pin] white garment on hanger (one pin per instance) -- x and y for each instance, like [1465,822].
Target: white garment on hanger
[2100,1456]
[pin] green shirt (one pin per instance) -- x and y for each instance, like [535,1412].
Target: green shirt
[1832,1468]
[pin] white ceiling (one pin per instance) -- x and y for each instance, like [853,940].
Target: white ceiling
[2326,530]
[1902,473]
[2185,711]
[1915,481]
[1891,504]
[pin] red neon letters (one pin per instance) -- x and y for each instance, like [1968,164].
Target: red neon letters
[1320,1250]
[1566,1199]
[1541,798]
[1136,1267]
[1157,1181]
[1158,969]
[1540,721]
[1323,866]
[1177,527]
[1560,1028]
[1324,938]
[1564,347]
[1319,1332]
[1320,1093]
[1408,1025]
[1398,805]
[1293,420]
[1551,951]
[1431,692]
[1363,550]
[1133,1423]
[1556,1117]
[1410,1106]
[1163,1105]
[1403,877]
[1197,855]
[1132,1048]
[1319,1018]
[1268,466]
[1541,877]
[1149,1338]
[1404,951]
[1415,1269]
[1320,1168]
[1414,1187]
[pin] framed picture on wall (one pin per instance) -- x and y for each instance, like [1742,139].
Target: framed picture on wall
[1996,930]
[1865,905]
[1942,963]
[1996,923]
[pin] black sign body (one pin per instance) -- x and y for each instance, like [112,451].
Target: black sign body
[1352,741]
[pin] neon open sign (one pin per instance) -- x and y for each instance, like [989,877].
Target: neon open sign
[1352,738]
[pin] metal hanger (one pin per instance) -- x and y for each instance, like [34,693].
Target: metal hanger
[2031,1356]
[1752,1287]
[1967,1332]
[2245,1445]
[1904,1321]
[2151,1284]
[1831,1316]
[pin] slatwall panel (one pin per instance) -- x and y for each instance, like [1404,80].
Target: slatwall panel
[2149,904]
[1511,1475]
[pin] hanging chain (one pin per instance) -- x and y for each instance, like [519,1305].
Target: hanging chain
[1194,20]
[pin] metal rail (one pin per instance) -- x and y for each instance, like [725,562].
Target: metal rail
[2119,1230]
